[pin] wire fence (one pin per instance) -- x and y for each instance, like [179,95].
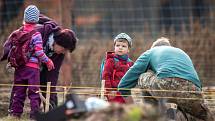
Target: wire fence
[148,17]
[97,90]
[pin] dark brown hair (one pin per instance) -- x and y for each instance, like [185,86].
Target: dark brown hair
[67,39]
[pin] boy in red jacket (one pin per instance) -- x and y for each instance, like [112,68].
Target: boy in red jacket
[116,65]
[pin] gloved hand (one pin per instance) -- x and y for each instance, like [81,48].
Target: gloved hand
[43,18]
[50,65]
[9,68]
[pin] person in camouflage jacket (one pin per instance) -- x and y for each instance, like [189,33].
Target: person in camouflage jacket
[172,77]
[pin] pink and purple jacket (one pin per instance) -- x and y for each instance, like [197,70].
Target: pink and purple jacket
[36,45]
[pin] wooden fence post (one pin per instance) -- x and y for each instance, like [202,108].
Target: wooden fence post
[48,89]
[64,93]
[102,92]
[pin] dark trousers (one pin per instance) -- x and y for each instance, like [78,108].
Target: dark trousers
[45,77]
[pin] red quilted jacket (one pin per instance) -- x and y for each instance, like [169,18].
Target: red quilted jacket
[114,69]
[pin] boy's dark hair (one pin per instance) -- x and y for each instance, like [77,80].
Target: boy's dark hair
[66,38]
[122,40]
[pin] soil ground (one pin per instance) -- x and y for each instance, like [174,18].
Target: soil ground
[5,94]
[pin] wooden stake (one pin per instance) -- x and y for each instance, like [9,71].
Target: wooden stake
[102,90]
[47,96]
[64,93]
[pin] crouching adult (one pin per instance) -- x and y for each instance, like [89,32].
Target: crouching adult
[172,77]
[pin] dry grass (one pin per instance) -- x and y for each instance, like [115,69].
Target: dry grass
[198,43]
[87,57]
[10,118]
[4,99]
